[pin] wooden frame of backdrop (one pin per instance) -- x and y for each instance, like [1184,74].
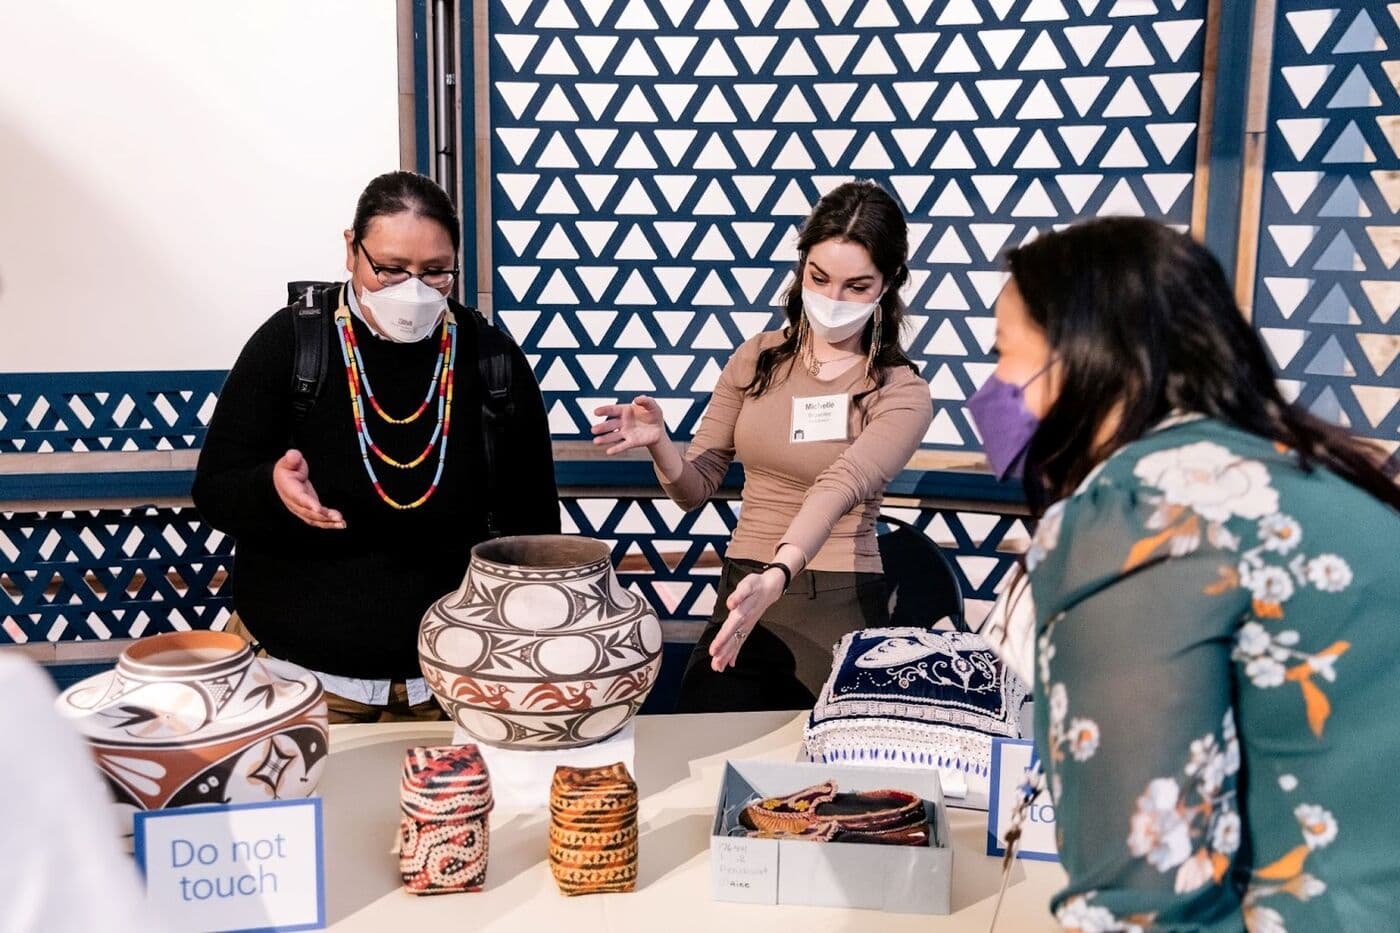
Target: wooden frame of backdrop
[1256,132]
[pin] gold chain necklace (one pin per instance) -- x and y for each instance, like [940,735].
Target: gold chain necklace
[814,365]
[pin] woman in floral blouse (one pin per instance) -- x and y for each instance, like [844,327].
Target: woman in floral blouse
[1217,600]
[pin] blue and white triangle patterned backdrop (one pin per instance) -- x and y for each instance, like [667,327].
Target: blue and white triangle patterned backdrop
[1329,287]
[672,559]
[123,573]
[651,159]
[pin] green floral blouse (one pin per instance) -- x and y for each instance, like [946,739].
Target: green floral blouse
[1218,690]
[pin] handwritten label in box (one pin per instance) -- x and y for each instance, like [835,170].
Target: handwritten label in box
[257,866]
[745,870]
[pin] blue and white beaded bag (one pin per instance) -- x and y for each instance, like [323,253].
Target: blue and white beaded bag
[911,697]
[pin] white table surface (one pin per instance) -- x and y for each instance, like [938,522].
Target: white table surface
[679,763]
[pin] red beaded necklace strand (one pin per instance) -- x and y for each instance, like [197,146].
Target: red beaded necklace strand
[441,386]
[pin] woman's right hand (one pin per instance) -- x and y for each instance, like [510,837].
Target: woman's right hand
[291,477]
[624,427]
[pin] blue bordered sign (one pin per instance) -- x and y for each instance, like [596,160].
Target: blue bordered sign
[247,867]
[1012,761]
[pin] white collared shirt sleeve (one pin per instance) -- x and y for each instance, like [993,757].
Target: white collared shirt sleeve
[1010,628]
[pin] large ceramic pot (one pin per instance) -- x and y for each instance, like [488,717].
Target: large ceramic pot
[194,718]
[540,647]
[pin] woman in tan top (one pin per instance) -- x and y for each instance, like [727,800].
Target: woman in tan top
[822,414]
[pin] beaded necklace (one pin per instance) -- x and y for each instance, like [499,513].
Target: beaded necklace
[441,386]
[434,386]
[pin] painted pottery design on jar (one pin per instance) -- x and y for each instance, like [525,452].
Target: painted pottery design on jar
[541,646]
[194,718]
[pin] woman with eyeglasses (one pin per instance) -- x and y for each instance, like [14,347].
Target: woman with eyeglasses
[351,518]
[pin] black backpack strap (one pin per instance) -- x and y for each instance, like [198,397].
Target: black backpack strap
[310,318]
[497,408]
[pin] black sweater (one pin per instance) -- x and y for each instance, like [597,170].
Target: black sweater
[348,601]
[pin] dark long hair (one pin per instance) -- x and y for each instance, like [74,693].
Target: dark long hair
[863,213]
[1143,322]
[397,192]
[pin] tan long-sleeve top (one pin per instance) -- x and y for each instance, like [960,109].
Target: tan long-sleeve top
[820,496]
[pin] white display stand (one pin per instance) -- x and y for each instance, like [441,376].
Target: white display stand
[520,780]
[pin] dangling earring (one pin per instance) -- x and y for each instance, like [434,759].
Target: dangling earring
[874,344]
[804,348]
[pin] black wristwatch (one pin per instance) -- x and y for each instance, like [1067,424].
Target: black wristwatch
[779,565]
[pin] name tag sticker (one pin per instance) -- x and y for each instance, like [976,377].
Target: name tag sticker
[819,418]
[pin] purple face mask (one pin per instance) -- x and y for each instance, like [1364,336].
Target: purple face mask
[1006,425]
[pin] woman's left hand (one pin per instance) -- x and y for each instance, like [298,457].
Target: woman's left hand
[747,604]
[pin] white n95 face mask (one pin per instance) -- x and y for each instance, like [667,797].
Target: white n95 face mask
[406,312]
[834,321]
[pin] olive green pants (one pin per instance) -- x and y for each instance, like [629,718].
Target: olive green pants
[787,656]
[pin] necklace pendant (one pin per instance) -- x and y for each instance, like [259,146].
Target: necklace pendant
[814,367]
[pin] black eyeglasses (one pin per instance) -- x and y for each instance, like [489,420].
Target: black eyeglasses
[394,275]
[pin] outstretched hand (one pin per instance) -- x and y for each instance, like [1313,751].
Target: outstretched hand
[626,427]
[748,602]
[291,477]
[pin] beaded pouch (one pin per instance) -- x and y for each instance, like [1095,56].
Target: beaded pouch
[913,697]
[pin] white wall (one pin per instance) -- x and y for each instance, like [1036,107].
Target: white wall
[166,166]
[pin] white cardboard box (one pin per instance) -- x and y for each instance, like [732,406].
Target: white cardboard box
[900,879]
